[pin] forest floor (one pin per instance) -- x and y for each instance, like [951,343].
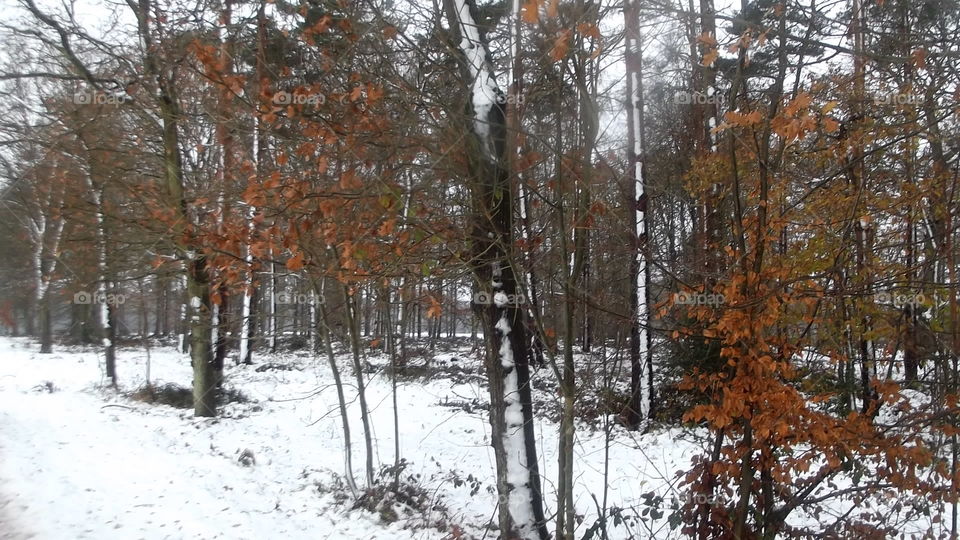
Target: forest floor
[79,459]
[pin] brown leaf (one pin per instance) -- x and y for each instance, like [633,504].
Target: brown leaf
[295,263]
[710,57]
[530,11]
[560,46]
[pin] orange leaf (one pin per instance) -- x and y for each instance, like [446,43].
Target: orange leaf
[710,57]
[295,263]
[919,58]
[356,94]
[560,46]
[435,309]
[374,93]
[830,125]
[349,181]
[802,101]
[386,228]
[589,30]
[530,11]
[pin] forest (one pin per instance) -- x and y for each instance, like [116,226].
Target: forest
[475,269]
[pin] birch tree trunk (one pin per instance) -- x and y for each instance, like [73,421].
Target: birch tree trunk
[104,309]
[641,360]
[511,415]
[45,223]
[259,155]
[246,350]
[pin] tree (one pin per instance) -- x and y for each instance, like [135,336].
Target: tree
[511,415]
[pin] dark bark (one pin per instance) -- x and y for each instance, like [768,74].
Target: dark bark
[493,196]
[45,320]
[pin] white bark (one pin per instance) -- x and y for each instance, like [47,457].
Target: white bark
[485,92]
[45,233]
[634,106]
[214,326]
[514,443]
[518,473]
[245,351]
[245,309]
[45,223]
[181,336]
[103,313]
[272,307]
[313,322]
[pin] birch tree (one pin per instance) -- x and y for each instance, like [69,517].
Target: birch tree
[641,359]
[511,415]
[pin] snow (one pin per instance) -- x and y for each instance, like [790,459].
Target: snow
[485,91]
[513,439]
[85,461]
[79,468]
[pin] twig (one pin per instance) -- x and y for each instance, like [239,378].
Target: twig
[116,405]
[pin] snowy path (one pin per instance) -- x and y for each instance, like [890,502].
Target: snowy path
[10,529]
[73,465]
[124,483]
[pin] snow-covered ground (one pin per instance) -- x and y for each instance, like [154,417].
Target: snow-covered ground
[84,461]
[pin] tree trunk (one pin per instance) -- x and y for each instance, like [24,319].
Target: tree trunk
[641,360]
[246,326]
[272,327]
[341,399]
[863,227]
[201,355]
[511,414]
[353,320]
[183,324]
[44,318]
[198,288]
